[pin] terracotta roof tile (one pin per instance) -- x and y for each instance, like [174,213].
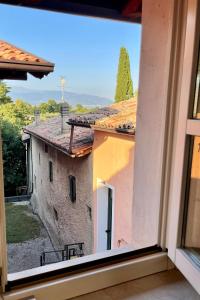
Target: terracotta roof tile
[13,54]
[50,131]
[124,120]
[119,116]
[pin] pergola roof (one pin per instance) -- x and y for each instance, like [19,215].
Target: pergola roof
[125,10]
[15,63]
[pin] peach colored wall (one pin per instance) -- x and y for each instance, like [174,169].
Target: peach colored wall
[113,159]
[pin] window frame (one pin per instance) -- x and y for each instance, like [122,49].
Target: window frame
[138,267]
[184,128]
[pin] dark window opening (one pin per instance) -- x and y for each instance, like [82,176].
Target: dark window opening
[50,171]
[55,214]
[46,148]
[72,188]
[35,182]
[89,211]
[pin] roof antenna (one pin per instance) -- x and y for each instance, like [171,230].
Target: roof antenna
[62,85]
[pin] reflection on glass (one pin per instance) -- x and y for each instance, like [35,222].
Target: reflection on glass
[192,233]
[196,111]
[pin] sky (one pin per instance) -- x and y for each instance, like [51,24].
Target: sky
[85,50]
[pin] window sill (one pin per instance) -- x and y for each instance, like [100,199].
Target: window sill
[78,265]
[92,280]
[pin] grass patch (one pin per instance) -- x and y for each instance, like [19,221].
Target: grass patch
[20,226]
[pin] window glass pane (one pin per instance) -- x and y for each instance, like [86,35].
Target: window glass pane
[75,160]
[192,226]
[196,111]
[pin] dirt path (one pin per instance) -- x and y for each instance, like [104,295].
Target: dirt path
[26,255]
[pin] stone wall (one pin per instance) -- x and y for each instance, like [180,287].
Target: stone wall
[65,221]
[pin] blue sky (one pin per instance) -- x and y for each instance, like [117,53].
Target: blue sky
[85,50]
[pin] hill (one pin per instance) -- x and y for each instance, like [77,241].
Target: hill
[34,97]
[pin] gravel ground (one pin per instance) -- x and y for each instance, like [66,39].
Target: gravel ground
[26,255]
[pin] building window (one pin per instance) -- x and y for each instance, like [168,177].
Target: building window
[55,214]
[89,209]
[35,182]
[50,171]
[39,158]
[46,148]
[72,188]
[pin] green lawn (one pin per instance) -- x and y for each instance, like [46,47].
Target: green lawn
[20,226]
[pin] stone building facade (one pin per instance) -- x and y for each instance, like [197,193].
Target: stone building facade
[50,174]
[66,221]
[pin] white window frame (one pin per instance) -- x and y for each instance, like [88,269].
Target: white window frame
[152,120]
[182,128]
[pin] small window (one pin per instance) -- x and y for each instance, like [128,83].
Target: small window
[89,209]
[50,171]
[55,214]
[35,182]
[46,148]
[39,158]
[72,188]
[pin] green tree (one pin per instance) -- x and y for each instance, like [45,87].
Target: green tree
[4,90]
[14,157]
[51,106]
[19,113]
[124,88]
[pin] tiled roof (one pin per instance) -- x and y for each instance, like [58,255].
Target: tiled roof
[50,131]
[117,115]
[15,59]
[11,53]
[88,119]
[123,121]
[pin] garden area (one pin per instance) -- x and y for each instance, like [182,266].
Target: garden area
[27,237]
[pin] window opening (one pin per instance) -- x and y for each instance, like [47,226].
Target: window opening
[55,214]
[104,124]
[50,171]
[72,188]
[46,148]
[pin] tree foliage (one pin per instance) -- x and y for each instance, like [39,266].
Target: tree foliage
[14,157]
[13,117]
[51,106]
[124,88]
[18,113]
[80,109]
[4,90]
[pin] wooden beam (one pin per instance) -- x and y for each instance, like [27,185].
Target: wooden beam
[133,8]
[13,75]
[79,8]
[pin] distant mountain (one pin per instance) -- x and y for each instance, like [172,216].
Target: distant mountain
[37,96]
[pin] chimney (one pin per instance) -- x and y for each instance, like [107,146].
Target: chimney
[64,111]
[37,116]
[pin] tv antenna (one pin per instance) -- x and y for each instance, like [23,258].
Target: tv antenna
[62,85]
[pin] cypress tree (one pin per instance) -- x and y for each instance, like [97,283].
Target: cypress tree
[124,88]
